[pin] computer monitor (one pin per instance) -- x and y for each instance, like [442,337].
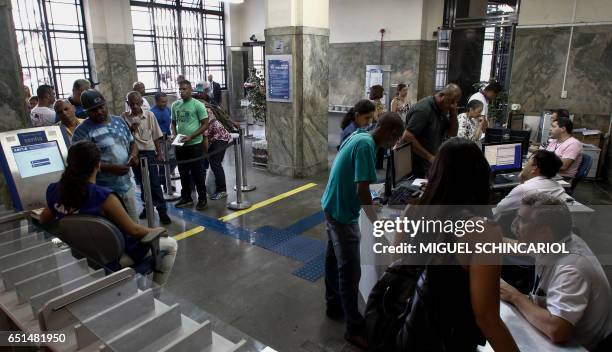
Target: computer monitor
[31,159]
[399,166]
[522,137]
[402,163]
[496,135]
[503,157]
[516,121]
[38,159]
[502,135]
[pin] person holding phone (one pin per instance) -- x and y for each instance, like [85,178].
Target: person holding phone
[118,150]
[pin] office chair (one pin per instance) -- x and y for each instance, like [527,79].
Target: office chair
[583,171]
[102,243]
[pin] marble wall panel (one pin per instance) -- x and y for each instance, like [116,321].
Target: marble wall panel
[347,63]
[539,62]
[315,88]
[116,72]
[538,67]
[427,69]
[12,98]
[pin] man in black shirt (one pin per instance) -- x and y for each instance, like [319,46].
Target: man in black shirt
[428,123]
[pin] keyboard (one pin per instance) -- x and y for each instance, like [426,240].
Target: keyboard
[501,179]
[401,196]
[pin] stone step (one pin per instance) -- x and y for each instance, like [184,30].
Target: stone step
[35,267]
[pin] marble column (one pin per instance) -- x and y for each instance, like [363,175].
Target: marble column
[12,97]
[297,131]
[115,66]
[427,69]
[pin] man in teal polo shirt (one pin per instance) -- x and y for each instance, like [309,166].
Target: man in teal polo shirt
[348,189]
[190,119]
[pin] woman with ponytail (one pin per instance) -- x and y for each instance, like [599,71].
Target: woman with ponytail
[77,193]
[359,116]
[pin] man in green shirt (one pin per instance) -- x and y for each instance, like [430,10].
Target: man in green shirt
[190,119]
[348,189]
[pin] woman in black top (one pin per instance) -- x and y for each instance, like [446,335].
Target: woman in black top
[462,295]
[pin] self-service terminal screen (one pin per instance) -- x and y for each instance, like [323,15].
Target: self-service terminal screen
[38,159]
[31,159]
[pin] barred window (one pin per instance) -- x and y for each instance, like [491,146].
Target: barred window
[52,42]
[174,37]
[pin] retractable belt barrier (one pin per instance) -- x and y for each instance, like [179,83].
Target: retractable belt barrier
[168,162]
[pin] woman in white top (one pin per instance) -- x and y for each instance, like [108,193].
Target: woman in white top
[400,103]
[472,124]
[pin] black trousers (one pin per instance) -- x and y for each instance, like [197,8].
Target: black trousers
[216,152]
[191,170]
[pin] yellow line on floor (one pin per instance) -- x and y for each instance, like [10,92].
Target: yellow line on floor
[194,231]
[267,202]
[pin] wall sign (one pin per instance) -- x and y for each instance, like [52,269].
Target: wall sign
[279,78]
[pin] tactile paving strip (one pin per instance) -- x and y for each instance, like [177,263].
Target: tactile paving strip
[313,270]
[287,242]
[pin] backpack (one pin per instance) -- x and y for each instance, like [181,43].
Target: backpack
[387,305]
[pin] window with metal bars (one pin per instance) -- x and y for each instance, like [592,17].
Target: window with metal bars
[52,42]
[259,61]
[174,37]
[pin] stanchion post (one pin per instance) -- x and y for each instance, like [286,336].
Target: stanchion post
[170,195]
[245,182]
[146,185]
[239,204]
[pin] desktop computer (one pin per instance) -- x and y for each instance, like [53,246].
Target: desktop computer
[504,159]
[501,135]
[399,167]
[516,121]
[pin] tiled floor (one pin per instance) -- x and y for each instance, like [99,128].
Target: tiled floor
[253,288]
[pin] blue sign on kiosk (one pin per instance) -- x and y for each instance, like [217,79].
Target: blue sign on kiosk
[32,159]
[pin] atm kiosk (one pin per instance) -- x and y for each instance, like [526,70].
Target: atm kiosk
[44,288]
[31,159]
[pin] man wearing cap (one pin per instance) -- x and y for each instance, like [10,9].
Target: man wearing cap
[119,152]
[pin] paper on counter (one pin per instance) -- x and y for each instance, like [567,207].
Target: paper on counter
[418,182]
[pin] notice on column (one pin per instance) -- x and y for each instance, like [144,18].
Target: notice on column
[278,78]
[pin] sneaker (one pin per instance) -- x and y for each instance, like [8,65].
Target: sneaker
[217,196]
[164,218]
[183,203]
[143,214]
[201,204]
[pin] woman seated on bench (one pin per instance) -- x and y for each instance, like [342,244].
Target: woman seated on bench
[77,193]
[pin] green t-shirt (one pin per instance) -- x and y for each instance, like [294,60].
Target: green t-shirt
[354,163]
[187,116]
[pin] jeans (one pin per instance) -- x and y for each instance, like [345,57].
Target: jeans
[216,150]
[191,170]
[343,272]
[129,201]
[167,245]
[171,157]
[156,191]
